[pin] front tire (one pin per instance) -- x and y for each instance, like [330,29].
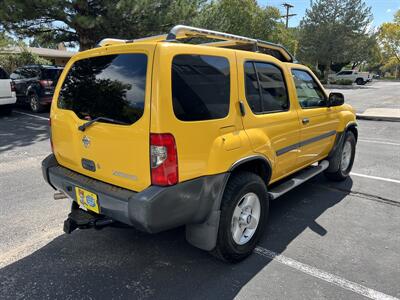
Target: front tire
[244,211]
[344,158]
[360,81]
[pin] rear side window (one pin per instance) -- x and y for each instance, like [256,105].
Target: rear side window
[3,74]
[50,74]
[111,86]
[267,80]
[29,72]
[200,87]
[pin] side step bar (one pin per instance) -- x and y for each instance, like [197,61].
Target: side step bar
[300,178]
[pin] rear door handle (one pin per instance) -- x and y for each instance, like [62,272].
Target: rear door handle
[242,108]
[305,121]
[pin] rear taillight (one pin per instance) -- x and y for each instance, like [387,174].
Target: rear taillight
[46,83]
[12,83]
[163,159]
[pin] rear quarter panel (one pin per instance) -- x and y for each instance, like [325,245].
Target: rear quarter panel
[204,147]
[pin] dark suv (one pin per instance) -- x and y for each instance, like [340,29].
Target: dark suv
[34,85]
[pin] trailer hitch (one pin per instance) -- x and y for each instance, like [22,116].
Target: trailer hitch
[82,219]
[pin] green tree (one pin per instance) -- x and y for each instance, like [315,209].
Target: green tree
[84,23]
[247,18]
[335,32]
[241,17]
[389,36]
[44,40]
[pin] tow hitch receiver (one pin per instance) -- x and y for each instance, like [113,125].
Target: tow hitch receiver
[79,218]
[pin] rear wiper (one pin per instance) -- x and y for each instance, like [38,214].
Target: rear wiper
[87,124]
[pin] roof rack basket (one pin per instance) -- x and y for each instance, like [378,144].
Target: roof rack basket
[227,40]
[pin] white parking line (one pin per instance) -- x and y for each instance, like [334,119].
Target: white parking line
[31,115]
[375,177]
[379,142]
[328,277]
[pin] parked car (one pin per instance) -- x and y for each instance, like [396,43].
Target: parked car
[156,134]
[360,78]
[7,93]
[35,84]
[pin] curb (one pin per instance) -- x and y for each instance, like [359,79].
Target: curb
[377,118]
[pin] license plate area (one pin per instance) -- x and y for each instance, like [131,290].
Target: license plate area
[87,199]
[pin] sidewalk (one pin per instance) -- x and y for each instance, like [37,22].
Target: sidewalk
[380,114]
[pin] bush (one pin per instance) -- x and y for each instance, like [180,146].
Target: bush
[11,61]
[342,82]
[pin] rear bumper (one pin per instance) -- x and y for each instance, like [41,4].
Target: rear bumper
[46,99]
[152,210]
[7,100]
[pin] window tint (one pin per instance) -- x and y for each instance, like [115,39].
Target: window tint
[3,74]
[111,86]
[266,80]
[16,74]
[200,87]
[29,72]
[309,93]
[253,95]
[51,74]
[346,73]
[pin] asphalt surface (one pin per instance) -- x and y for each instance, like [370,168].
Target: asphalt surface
[376,94]
[324,240]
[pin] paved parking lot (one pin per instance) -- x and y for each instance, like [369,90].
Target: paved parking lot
[325,240]
[377,94]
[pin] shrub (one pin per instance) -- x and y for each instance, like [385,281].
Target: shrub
[344,82]
[11,61]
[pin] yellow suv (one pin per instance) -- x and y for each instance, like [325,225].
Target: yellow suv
[158,133]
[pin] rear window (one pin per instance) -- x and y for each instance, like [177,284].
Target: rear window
[200,87]
[111,86]
[50,74]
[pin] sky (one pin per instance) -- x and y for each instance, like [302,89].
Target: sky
[383,10]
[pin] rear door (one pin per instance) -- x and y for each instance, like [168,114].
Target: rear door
[20,78]
[5,87]
[271,121]
[115,85]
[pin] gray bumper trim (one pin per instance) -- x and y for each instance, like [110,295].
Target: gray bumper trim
[153,209]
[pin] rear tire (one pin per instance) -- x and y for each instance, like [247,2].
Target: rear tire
[344,158]
[244,211]
[34,103]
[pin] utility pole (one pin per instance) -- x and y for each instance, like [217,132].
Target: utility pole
[287,16]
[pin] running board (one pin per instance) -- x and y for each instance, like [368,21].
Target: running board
[299,178]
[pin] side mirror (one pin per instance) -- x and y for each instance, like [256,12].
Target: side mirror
[335,99]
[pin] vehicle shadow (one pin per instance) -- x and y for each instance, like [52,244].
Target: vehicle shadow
[124,263]
[19,130]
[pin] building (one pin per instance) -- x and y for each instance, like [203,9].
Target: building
[58,57]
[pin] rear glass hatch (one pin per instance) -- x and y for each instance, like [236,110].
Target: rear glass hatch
[101,124]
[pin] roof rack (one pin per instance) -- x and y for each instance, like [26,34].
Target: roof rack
[228,41]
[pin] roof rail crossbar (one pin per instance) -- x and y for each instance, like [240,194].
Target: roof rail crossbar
[180,31]
[108,41]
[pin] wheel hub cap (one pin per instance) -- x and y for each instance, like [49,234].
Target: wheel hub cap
[346,156]
[245,218]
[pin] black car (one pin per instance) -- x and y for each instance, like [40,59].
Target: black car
[34,85]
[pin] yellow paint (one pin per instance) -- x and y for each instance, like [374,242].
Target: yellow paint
[204,147]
